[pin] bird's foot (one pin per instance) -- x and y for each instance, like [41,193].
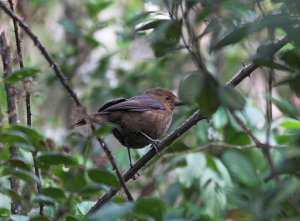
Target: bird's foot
[155,145]
[154,142]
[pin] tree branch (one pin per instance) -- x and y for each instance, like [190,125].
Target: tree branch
[27,101]
[194,119]
[63,81]
[11,110]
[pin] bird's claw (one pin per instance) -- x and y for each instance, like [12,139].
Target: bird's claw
[154,142]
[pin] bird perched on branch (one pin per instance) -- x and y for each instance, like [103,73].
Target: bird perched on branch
[140,120]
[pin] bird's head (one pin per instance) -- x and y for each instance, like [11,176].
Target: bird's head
[167,97]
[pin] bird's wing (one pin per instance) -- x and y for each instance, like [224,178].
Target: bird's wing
[111,103]
[138,104]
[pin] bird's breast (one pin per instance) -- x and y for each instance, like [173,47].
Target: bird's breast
[154,123]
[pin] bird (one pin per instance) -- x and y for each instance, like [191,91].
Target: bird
[140,120]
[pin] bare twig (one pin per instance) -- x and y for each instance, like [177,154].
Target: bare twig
[59,75]
[11,110]
[111,158]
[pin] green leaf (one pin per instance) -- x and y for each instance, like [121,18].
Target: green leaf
[12,194]
[220,118]
[264,57]
[231,98]
[18,162]
[284,106]
[191,87]
[95,6]
[295,84]
[268,21]
[24,135]
[283,191]
[291,124]
[104,177]
[6,137]
[51,159]
[24,175]
[266,62]
[21,74]
[240,167]
[90,190]
[4,212]
[49,201]
[137,18]
[151,25]
[91,41]
[289,165]
[291,57]
[165,37]
[113,211]
[233,37]
[202,89]
[53,192]
[151,207]
[84,207]
[73,179]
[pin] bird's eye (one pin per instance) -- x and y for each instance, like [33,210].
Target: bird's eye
[167,97]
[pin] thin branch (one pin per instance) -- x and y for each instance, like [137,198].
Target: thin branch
[195,56]
[193,120]
[238,78]
[61,77]
[26,82]
[18,41]
[38,185]
[11,110]
[114,164]
[44,52]
[196,117]
[247,130]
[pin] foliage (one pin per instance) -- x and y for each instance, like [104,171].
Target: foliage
[110,49]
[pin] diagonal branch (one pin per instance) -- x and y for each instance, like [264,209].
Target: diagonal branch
[194,119]
[64,81]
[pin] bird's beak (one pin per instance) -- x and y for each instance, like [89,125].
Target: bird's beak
[179,103]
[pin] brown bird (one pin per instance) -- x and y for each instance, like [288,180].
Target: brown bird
[140,120]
